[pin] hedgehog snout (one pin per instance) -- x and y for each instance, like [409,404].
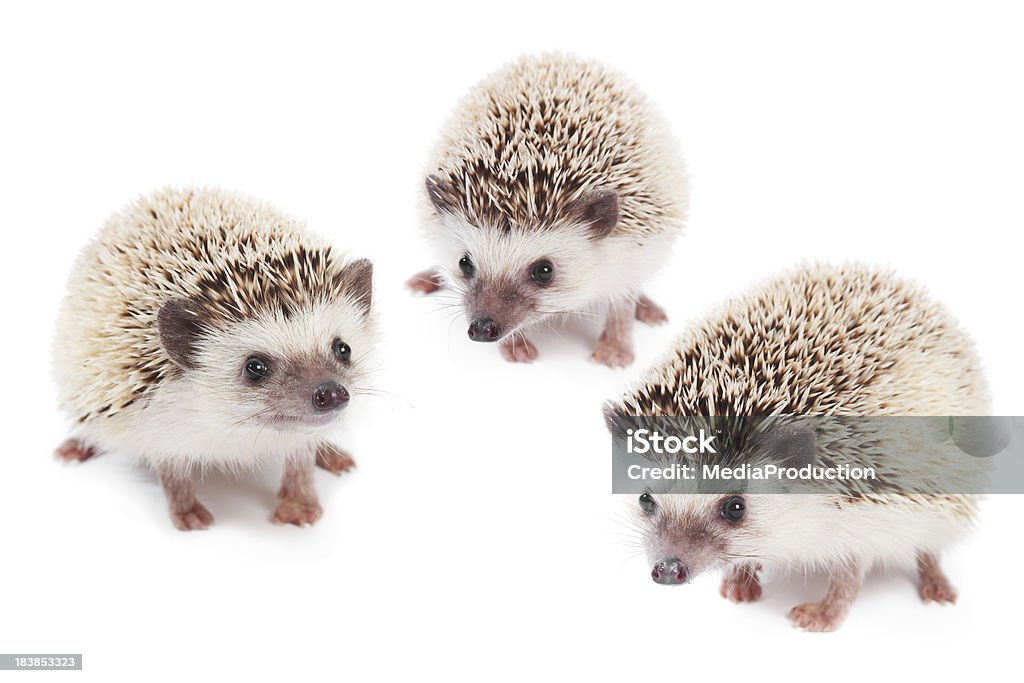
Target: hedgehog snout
[330,396]
[484,330]
[670,571]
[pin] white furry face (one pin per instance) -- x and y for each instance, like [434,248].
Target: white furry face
[284,374]
[794,532]
[693,530]
[708,531]
[518,278]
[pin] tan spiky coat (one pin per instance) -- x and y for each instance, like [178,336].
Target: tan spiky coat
[534,136]
[824,341]
[262,280]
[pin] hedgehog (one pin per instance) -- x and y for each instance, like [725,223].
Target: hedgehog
[556,190]
[824,341]
[206,330]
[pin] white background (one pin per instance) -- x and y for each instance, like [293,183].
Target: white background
[477,539]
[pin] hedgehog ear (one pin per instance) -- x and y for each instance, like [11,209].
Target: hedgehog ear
[181,322]
[617,420]
[612,417]
[599,210]
[441,195]
[792,446]
[356,280]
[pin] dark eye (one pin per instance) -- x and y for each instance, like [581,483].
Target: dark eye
[542,272]
[647,503]
[256,369]
[342,351]
[466,266]
[733,509]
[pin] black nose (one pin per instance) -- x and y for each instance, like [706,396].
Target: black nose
[669,572]
[484,329]
[329,396]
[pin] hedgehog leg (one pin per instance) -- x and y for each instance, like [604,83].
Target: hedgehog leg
[427,281]
[741,583]
[333,460]
[615,346]
[829,613]
[935,587]
[649,312]
[516,348]
[187,513]
[75,450]
[299,504]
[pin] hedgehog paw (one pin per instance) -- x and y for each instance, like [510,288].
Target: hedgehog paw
[741,585]
[816,616]
[935,587]
[518,349]
[299,512]
[333,460]
[425,282]
[938,590]
[192,517]
[613,352]
[74,450]
[649,312]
